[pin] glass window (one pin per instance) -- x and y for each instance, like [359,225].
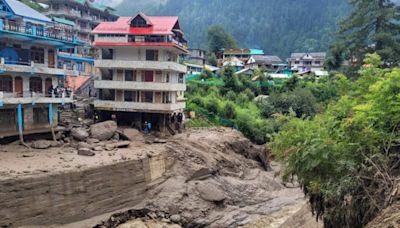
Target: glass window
[37,55]
[35,85]
[130,75]
[6,84]
[147,97]
[151,55]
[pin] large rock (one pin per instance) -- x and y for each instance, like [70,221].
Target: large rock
[85,152]
[122,144]
[41,144]
[133,134]
[103,130]
[210,192]
[79,134]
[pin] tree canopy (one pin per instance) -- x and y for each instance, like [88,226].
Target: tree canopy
[373,26]
[218,38]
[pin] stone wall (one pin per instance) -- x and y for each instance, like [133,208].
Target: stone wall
[74,196]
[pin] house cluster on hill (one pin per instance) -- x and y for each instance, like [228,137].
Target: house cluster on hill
[245,61]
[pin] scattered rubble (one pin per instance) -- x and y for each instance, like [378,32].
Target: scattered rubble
[41,144]
[79,134]
[85,152]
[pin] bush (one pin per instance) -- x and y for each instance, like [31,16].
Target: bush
[242,99]
[231,96]
[266,108]
[229,110]
[212,106]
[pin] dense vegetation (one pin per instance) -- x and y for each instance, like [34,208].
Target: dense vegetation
[237,101]
[372,27]
[346,157]
[277,26]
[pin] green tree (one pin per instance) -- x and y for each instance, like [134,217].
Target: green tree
[212,59]
[371,27]
[218,38]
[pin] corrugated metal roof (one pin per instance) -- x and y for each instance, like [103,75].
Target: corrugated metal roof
[20,9]
[161,25]
[245,51]
[266,59]
[313,54]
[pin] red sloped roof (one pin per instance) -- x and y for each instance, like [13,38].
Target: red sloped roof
[161,25]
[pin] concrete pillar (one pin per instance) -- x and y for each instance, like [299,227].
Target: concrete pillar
[28,117]
[162,123]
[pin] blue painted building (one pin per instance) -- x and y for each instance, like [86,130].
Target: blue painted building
[31,68]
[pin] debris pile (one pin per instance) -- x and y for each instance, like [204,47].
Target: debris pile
[218,179]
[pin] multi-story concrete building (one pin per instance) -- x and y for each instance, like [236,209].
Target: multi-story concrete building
[140,77]
[81,17]
[84,14]
[307,62]
[196,56]
[29,72]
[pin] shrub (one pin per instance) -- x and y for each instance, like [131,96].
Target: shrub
[229,110]
[231,96]
[212,106]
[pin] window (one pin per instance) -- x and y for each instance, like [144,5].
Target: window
[167,78]
[40,115]
[107,75]
[139,22]
[147,76]
[107,53]
[130,75]
[35,85]
[7,119]
[37,55]
[107,94]
[131,96]
[307,63]
[6,84]
[151,55]
[147,97]
[180,79]
[317,62]
[296,62]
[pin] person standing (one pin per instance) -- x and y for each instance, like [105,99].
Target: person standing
[146,128]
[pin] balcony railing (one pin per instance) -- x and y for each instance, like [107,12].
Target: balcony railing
[34,97]
[32,67]
[37,31]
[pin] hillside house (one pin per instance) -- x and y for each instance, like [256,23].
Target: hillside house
[307,62]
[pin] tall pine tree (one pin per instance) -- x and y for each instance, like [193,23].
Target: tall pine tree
[373,26]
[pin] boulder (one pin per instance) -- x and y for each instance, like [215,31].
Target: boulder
[98,148]
[85,152]
[122,144]
[41,144]
[209,191]
[84,145]
[92,141]
[133,134]
[79,134]
[175,218]
[109,147]
[104,130]
[116,136]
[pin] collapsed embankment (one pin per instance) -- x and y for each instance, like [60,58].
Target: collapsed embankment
[202,178]
[76,195]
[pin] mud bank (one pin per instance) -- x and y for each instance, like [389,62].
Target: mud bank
[204,177]
[77,195]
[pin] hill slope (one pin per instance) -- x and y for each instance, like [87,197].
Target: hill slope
[277,26]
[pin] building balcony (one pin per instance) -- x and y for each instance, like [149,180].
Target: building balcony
[34,98]
[141,65]
[65,11]
[32,32]
[143,86]
[104,41]
[35,68]
[124,106]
